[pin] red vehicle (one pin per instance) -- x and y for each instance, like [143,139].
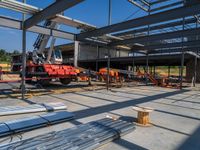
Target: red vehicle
[45,64]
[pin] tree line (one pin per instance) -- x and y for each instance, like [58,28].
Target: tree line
[5,56]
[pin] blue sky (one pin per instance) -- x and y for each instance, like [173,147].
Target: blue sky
[94,12]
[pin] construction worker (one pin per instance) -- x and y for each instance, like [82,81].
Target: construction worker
[1,73]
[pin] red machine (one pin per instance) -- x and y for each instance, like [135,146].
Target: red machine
[45,64]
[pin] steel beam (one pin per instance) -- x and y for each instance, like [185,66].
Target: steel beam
[157,2]
[138,5]
[50,11]
[175,50]
[167,6]
[29,9]
[157,37]
[145,2]
[18,6]
[17,24]
[161,26]
[72,22]
[195,43]
[142,21]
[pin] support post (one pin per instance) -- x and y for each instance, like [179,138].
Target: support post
[97,58]
[147,68]
[154,71]
[23,69]
[147,57]
[182,57]
[133,65]
[195,61]
[108,61]
[181,70]
[76,51]
[169,70]
[108,70]
[195,71]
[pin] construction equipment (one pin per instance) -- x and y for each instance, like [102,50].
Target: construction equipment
[113,74]
[46,64]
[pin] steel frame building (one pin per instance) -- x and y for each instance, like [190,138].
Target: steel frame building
[169,26]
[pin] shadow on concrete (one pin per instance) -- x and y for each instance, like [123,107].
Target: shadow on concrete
[176,105]
[95,97]
[180,115]
[172,130]
[128,119]
[118,95]
[120,105]
[129,92]
[181,100]
[67,100]
[75,122]
[192,142]
[128,145]
[28,101]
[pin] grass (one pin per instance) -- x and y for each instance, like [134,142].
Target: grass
[163,70]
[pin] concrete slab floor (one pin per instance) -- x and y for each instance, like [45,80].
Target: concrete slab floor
[176,119]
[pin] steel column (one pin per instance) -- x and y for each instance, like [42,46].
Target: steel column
[147,68]
[195,70]
[182,58]
[76,53]
[108,70]
[133,65]
[23,70]
[169,67]
[97,58]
